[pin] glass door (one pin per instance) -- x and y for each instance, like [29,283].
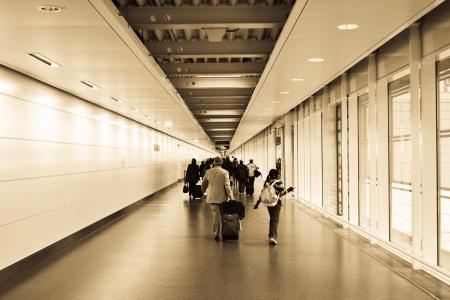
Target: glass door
[400,162]
[364,156]
[444,162]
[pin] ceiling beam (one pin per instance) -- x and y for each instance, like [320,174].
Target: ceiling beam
[215,92]
[218,83]
[221,137]
[243,100]
[194,107]
[221,129]
[231,125]
[185,17]
[221,112]
[213,68]
[214,49]
[223,119]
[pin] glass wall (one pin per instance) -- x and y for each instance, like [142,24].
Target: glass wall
[279,152]
[364,156]
[339,158]
[444,162]
[400,162]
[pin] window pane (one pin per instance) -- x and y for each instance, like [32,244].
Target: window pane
[400,162]
[364,154]
[444,162]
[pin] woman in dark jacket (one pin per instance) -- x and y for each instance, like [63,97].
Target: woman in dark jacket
[202,169]
[192,175]
[242,174]
[274,211]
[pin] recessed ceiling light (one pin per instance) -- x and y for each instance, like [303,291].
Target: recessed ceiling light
[147,116]
[90,84]
[134,109]
[168,124]
[285,93]
[50,8]
[156,121]
[347,26]
[315,59]
[117,100]
[45,60]
[297,79]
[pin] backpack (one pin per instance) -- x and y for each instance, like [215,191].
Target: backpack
[269,196]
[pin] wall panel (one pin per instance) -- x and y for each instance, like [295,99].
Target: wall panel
[67,163]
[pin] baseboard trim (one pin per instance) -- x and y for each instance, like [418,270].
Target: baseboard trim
[25,267]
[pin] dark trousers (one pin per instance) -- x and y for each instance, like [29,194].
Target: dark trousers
[191,187]
[251,181]
[274,213]
[241,185]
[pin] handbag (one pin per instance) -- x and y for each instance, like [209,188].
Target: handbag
[257,173]
[185,188]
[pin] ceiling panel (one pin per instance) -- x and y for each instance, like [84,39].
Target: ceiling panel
[310,32]
[213,52]
[93,43]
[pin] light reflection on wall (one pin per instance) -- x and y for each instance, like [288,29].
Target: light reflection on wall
[7,87]
[45,123]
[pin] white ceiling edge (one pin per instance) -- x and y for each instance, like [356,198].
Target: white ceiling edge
[294,15]
[119,25]
[284,36]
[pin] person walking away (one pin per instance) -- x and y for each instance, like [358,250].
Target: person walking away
[202,169]
[274,211]
[251,177]
[242,175]
[192,176]
[217,184]
[235,173]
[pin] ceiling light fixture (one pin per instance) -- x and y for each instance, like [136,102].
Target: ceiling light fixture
[134,109]
[347,26]
[168,124]
[50,8]
[90,84]
[297,79]
[44,59]
[117,100]
[285,93]
[315,59]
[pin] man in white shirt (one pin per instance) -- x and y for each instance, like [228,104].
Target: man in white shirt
[251,177]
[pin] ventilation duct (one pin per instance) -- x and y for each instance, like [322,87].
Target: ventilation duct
[215,34]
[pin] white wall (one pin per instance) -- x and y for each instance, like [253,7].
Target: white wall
[67,163]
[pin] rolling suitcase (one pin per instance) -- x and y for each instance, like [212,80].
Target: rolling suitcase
[230,227]
[197,192]
[233,207]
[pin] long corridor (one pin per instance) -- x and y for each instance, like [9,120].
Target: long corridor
[164,250]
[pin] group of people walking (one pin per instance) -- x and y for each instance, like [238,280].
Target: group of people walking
[216,182]
[242,176]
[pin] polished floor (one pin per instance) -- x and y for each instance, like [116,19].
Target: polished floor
[164,250]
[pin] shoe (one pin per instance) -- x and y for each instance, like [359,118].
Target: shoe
[272,242]
[217,238]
